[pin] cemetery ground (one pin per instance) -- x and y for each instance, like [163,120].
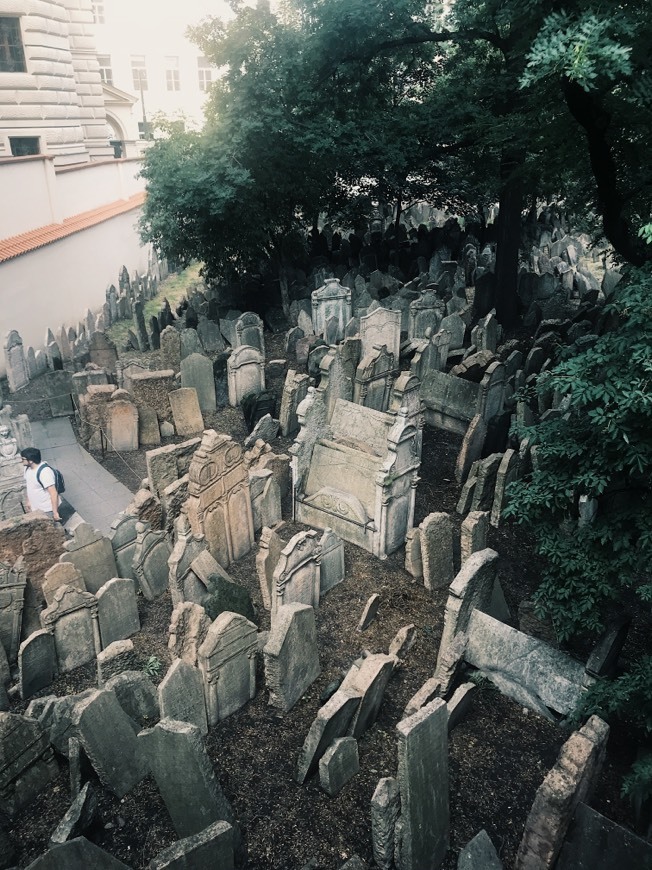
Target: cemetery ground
[499,752]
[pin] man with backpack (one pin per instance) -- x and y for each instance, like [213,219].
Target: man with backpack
[40,480]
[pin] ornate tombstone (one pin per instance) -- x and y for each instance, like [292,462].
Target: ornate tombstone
[296,576]
[219,502]
[13,581]
[331,302]
[227,660]
[249,331]
[246,373]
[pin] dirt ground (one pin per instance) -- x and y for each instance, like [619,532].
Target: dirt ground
[498,755]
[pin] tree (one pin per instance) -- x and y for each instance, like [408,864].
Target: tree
[600,448]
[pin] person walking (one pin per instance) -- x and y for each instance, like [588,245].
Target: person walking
[42,492]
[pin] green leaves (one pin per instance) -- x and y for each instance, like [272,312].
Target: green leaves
[582,48]
[601,449]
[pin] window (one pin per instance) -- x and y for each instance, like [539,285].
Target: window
[106,73]
[24,146]
[98,13]
[172,74]
[205,73]
[12,56]
[139,71]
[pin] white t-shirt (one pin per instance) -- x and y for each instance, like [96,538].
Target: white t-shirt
[38,495]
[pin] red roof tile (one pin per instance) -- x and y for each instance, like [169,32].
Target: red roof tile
[25,242]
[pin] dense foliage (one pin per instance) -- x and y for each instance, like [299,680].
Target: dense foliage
[599,448]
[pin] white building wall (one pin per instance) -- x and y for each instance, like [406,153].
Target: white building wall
[41,194]
[54,285]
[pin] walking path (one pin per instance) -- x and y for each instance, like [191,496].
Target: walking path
[94,493]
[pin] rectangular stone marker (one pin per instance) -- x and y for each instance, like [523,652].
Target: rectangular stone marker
[473,534]
[212,848]
[332,561]
[227,660]
[331,722]
[423,827]
[291,655]
[150,561]
[338,765]
[37,664]
[72,619]
[117,610]
[181,695]
[107,737]
[92,554]
[437,550]
[186,412]
[370,681]
[185,777]
[197,372]
[385,810]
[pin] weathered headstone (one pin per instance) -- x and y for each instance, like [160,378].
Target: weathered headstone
[181,695]
[36,663]
[197,372]
[212,847]
[338,765]
[185,777]
[17,373]
[186,412]
[423,826]
[385,810]
[331,722]
[291,655]
[107,737]
[72,619]
[227,660]
[117,610]
[61,574]
[437,550]
[246,373]
[150,561]
[296,576]
[331,571]
[92,554]
[27,763]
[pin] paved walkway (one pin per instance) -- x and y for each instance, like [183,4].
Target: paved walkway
[94,493]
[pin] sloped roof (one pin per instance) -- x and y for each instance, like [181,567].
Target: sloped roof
[30,241]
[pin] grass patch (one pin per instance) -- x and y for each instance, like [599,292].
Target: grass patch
[173,288]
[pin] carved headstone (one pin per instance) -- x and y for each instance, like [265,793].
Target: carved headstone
[227,660]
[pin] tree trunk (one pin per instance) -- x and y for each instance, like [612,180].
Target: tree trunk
[399,212]
[508,242]
[285,292]
[592,116]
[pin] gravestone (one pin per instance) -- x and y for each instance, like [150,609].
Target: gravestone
[181,695]
[291,655]
[227,660]
[77,854]
[73,621]
[212,847]
[422,834]
[413,560]
[338,765]
[437,550]
[188,629]
[103,352]
[249,332]
[171,348]
[121,424]
[13,584]
[58,388]
[331,722]
[369,681]
[331,302]
[385,810]
[197,372]
[92,554]
[210,336]
[472,588]
[27,763]
[109,742]
[181,578]
[270,547]
[246,373]
[295,390]
[149,433]
[296,576]
[123,543]
[373,379]
[425,315]
[136,695]
[190,342]
[219,503]
[381,327]
[117,610]
[454,325]
[150,561]
[332,561]
[185,778]
[473,534]
[36,663]
[186,412]
[17,373]
[221,380]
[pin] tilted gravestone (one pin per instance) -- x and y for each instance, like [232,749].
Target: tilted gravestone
[185,777]
[331,722]
[117,610]
[92,554]
[186,412]
[123,542]
[27,763]
[291,655]
[150,561]
[181,695]
[108,739]
[13,583]
[197,372]
[37,665]
[188,629]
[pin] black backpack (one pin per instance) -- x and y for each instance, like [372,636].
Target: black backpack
[59,482]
